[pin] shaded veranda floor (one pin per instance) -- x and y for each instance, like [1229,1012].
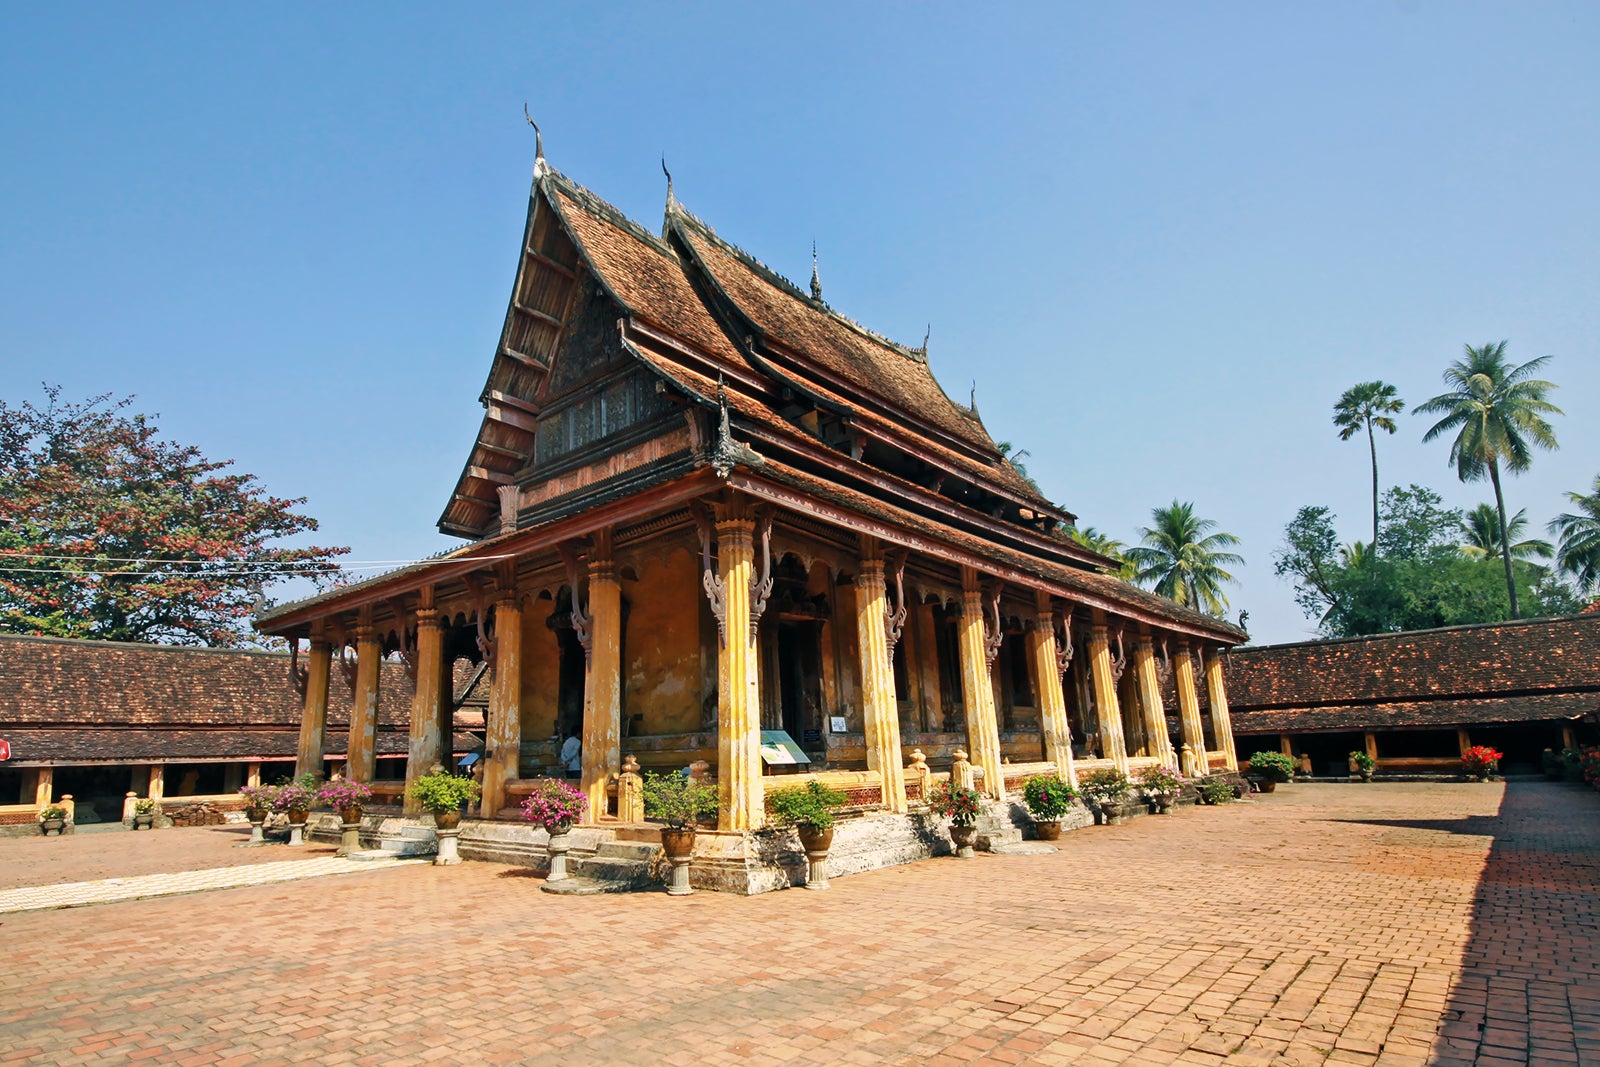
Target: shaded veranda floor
[1324,924]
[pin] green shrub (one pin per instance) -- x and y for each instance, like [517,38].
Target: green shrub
[810,807]
[1106,786]
[1216,790]
[678,800]
[442,791]
[1362,761]
[1048,797]
[1273,766]
[960,805]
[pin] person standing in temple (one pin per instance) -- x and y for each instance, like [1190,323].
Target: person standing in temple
[572,756]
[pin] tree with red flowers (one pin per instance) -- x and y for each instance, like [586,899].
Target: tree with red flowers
[108,531]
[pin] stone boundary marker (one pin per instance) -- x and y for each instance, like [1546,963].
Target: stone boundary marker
[110,890]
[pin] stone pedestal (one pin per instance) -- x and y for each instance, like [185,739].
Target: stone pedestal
[817,870]
[297,833]
[678,882]
[349,838]
[558,847]
[448,854]
[962,838]
[257,837]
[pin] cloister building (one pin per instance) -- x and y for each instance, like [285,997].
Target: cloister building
[702,505]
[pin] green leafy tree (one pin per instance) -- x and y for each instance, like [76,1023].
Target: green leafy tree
[107,531]
[1105,545]
[1364,406]
[1497,413]
[1482,528]
[1182,558]
[1578,553]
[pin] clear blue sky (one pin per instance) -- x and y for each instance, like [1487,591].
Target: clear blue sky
[1162,238]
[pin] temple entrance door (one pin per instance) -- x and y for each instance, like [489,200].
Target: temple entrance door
[800,683]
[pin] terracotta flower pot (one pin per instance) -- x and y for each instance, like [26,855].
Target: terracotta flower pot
[447,820]
[58,825]
[298,815]
[1048,829]
[678,843]
[963,837]
[350,814]
[815,840]
[255,814]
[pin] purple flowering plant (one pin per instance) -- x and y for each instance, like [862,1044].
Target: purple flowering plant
[1159,779]
[553,803]
[344,793]
[259,797]
[297,794]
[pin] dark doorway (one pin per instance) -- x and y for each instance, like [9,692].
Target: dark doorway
[1523,743]
[1330,753]
[800,683]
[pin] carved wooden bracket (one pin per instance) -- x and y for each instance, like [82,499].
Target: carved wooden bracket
[710,580]
[407,638]
[1120,662]
[894,618]
[578,582]
[480,606]
[1164,669]
[346,667]
[993,635]
[297,673]
[761,588]
[1064,648]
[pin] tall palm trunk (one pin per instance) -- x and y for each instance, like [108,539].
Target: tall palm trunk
[1373,444]
[1505,540]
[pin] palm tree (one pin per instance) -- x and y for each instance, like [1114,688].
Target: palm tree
[1482,528]
[1105,545]
[1497,412]
[1357,556]
[1181,559]
[1579,551]
[1368,404]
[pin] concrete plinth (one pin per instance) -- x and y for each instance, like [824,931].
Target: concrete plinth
[678,882]
[349,838]
[297,833]
[558,847]
[448,853]
[257,835]
[817,870]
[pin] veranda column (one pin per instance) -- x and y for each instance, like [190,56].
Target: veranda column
[739,785]
[1047,683]
[425,720]
[1217,695]
[602,710]
[502,743]
[1194,732]
[44,786]
[880,711]
[361,753]
[983,729]
[158,781]
[1155,723]
[314,717]
[1105,694]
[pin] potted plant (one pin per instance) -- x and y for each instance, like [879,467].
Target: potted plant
[1362,765]
[295,797]
[1267,769]
[555,806]
[53,818]
[443,795]
[1105,790]
[1162,785]
[144,813]
[1481,761]
[1216,790]
[810,810]
[961,806]
[1048,799]
[259,800]
[680,801]
[345,796]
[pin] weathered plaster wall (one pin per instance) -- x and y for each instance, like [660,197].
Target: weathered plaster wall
[541,672]
[662,673]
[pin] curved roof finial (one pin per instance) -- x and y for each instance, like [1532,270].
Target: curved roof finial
[816,278]
[974,405]
[671,199]
[539,165]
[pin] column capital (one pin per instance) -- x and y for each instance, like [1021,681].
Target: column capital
[602,570]
[869,572]
[322,645]
[365,632]
[428,618]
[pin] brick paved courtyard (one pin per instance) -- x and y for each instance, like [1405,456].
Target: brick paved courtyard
[1387,924]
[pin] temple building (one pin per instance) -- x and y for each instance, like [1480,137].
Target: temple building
[703,507]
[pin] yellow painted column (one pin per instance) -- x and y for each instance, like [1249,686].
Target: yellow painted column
[1133,732]
[158,781]
[425,739]
[602,706]
[1155,723]
[361,753]
[502,744]
[740,790]
[252,774]
[880,711]
[1047,686]
[1105,694]
[44,787]
[977,691]
[1217,696]
[1194,732]
[314,717]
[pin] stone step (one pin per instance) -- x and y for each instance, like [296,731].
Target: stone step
[603,868]
[588,887]
[641,851]
[413,841]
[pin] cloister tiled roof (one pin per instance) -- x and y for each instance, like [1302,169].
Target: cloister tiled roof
[1533,669]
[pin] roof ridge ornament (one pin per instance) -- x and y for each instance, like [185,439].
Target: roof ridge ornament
[729,453]
[672,200]
[540,167]
[816,278]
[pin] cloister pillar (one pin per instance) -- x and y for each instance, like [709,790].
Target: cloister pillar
[740,790]
[361,756]
[1155,722]
[1194,732]
[1042,654]
[314,717]
[502,745]
[44,787]
[880,711]
[426,742]
[1106,704]
[158,782]
[977,690]
[602,708]
[1217,696]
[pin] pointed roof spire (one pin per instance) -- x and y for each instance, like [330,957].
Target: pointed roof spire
[540,167]
[816,278]
[974,405]
[672,200]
